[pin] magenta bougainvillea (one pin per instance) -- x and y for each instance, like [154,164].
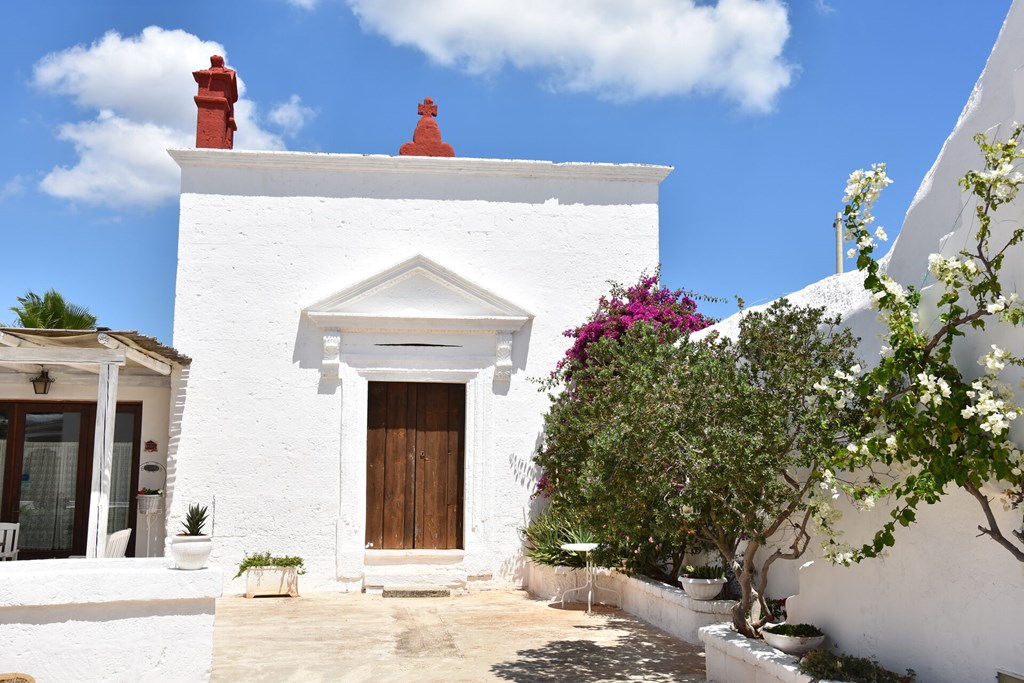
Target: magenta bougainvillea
[645,301]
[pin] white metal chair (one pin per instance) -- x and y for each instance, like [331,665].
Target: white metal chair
[117,543]
[9,540]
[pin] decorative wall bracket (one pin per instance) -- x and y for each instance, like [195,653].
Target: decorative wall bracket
[330,368]
[503,357]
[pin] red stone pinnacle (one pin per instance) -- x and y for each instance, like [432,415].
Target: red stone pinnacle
[426,139]
[218,92]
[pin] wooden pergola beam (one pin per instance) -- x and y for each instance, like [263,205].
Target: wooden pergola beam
[53,355]
[134,355]
[8,339]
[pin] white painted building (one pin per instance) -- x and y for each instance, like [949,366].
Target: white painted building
[943,601]
[337,305]
[73,452]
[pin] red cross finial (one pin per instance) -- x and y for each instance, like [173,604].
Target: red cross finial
[426,139]
[427,108]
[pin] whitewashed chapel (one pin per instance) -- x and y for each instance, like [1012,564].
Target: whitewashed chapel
[364,330]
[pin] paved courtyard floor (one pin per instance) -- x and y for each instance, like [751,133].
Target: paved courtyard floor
[482,636]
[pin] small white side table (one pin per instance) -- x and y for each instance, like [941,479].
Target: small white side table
[591,571]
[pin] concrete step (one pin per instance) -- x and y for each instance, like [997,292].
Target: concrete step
[413,569]
[418,576]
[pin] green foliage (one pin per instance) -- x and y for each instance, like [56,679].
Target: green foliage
[795,630]
[704,571]
[195,520]
[759,434]
[822,664]
[610,450]
[260,560]
[546,535]
[931,424]
[668,445]
[51,311]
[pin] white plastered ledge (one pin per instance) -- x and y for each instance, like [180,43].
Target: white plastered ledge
[379,163]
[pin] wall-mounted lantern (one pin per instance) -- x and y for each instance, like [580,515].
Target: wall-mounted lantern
[41,382]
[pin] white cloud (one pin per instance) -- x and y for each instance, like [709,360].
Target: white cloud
[304,4]
[12,187]
[141,88]
[291,116]
[618,49]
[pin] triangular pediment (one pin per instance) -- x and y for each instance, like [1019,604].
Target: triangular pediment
[417,294]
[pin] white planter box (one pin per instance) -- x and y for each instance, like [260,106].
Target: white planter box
[272,581]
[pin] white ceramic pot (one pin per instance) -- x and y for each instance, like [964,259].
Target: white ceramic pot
[702,589]
[191,552]
[271,581]
[792,645]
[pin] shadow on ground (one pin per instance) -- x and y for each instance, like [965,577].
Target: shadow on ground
[633,657]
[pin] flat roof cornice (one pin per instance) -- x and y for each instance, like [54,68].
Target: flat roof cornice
[380,163]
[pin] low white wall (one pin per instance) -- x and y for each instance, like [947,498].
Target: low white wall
[732,658]
[107,620]
[667,607]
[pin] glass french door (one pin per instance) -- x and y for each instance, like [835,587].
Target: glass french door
[51,457]
[46,461]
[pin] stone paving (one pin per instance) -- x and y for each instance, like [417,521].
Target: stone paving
[480,636]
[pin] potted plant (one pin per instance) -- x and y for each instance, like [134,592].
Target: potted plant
[191,548]
[704,582]
[149,500]
[267,574]
[793,639]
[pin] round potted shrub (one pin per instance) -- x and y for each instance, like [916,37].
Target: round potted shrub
[793,639]
[191,548]
[704,582]
[267,574]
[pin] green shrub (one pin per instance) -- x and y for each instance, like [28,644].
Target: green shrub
[823,664]
[546,534]
[704,571]
[258,560]
[795,630]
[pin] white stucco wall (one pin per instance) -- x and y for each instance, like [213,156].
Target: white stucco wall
[281,451]
[944,601]
[112,620]
[154,394]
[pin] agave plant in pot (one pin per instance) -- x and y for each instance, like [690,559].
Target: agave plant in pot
[191,547]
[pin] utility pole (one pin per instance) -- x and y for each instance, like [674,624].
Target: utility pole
[839,243]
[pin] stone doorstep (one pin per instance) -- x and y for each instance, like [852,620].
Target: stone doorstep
[416,592]
[428,576]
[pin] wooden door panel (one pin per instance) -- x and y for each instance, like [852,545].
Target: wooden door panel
[414,458]
[455,464]
[376,439]
[432,468]
[399,470]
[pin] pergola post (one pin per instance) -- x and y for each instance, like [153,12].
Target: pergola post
[102,460]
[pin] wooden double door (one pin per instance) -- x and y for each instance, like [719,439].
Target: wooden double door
[415,457]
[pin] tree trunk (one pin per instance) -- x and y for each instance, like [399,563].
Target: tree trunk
[748,595]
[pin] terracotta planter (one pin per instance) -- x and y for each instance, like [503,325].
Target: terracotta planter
[702,589]
[191,552]
[271,581]
[792,645]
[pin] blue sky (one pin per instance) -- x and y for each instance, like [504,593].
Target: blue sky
[762,107]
